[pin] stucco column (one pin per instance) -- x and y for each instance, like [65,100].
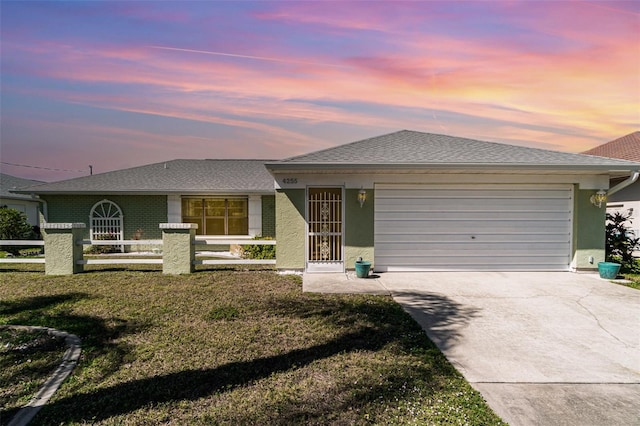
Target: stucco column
[178,250]
[61,248]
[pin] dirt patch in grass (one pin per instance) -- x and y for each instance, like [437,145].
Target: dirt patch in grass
[237,347]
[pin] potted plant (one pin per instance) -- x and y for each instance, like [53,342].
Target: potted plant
[362,268]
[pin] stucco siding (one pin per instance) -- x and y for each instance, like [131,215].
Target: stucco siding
[359,229]
[588,231]
[144,212]
[290,229]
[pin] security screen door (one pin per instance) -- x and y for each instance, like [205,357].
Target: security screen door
[324,230]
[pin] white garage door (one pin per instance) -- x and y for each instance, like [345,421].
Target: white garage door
[472,227]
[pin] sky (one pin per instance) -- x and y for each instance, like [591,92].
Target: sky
[118,84]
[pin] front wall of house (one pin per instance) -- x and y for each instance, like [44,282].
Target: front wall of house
[269,216]
[290,229]
[140,212]
[359,230]
[587,239]
[588,231]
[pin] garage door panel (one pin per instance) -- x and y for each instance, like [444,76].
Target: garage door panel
[418,237]
[504,192]
[471,226]
[450,205]
[450,216]
[446,266]
[463,248]
[491,227]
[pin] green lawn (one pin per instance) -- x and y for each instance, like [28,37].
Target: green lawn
[635,280]
[232,347]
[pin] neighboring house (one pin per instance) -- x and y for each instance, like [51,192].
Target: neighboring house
[433,202]
[408,201]
[628,198]
[224,197]
[24,203]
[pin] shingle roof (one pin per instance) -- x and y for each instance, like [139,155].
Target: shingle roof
[410,148]
[183,176]
[626,148]
[8,182]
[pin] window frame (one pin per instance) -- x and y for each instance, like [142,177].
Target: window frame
[202,208]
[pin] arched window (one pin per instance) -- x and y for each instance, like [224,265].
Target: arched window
[106,222]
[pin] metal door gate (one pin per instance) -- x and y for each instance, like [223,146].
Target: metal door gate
[324,230]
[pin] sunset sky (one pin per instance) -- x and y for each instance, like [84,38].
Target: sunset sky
[118,84]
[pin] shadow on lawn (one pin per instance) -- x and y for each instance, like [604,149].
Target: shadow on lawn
[376,321]
[97,334]
[195,384]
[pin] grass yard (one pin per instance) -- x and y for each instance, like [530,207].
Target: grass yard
[230,347]
[635,281]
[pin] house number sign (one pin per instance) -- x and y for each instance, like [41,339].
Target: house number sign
[290,180]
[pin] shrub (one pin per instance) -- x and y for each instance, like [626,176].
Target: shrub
[262,251]
[621,242]
[14,226]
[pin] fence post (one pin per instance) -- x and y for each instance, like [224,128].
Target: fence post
[61,250]
[178,250]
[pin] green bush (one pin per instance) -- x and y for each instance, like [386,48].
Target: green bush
[621,242]
[14,226]
[251,251]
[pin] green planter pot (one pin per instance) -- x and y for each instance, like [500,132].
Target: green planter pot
[362,269]
[608,270]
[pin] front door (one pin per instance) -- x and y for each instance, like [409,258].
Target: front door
[324,230]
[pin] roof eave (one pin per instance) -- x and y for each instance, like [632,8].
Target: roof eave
[153,192]
[299,166]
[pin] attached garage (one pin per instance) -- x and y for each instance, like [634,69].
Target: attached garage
[414,201]
[497,227]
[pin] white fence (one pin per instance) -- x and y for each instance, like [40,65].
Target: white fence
[137,258]
[29,243]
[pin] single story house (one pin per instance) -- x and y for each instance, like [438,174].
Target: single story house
[626,199]
[24,203]
[407,201]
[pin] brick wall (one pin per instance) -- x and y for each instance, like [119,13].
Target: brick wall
[144,212]
[269,216]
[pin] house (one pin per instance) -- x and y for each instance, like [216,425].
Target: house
[24,203]
[412,201]
[224,197]
[626,199]
[407,201]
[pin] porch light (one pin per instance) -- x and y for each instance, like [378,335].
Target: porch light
[598,198]
[362,196]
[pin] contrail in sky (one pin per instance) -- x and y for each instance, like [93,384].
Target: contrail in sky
[259,58]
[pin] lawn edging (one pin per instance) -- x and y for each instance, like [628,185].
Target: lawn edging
[69,361]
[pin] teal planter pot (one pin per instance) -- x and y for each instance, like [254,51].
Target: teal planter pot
[608,270]
[362,269]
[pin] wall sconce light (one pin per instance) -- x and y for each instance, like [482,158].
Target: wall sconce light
[598,198]
[362,196]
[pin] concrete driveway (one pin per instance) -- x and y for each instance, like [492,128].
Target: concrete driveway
[542,348]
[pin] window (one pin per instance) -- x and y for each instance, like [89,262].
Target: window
[217,216]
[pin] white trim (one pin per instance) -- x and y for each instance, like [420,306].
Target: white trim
[174,208]
[358,180]
[255,215]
